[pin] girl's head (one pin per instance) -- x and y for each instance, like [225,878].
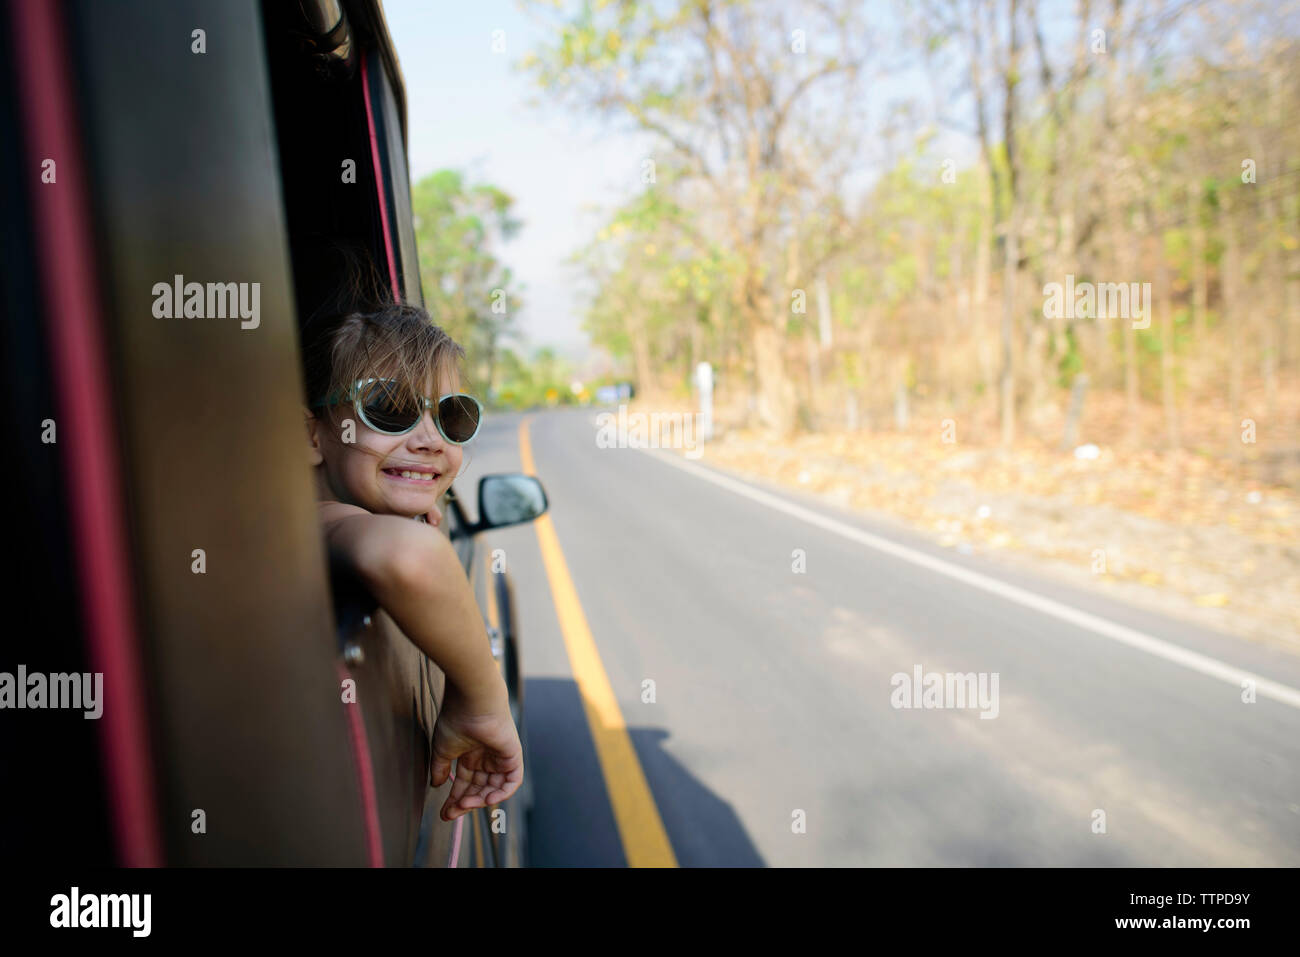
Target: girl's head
[389,474]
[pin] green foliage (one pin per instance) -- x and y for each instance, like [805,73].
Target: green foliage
[468,291]
[543,380]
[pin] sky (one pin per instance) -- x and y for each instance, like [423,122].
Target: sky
[469,108]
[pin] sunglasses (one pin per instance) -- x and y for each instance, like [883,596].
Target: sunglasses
[385,406]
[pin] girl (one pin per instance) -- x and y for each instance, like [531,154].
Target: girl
[386,428]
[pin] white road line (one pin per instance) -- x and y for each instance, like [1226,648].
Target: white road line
[1204,664]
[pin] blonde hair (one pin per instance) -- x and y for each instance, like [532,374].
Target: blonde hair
[393,341]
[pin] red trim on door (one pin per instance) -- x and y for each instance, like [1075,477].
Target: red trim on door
[365,777]
[82,386]
[379,180]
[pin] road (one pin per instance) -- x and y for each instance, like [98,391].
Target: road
[771,738]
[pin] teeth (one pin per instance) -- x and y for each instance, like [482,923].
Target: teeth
[427,476]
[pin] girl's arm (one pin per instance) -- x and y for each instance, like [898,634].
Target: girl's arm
[413,571]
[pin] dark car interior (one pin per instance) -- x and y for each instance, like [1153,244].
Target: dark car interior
[326,161]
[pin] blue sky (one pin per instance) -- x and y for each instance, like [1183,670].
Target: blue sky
[468,108]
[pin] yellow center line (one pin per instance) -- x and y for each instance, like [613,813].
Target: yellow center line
[645,842]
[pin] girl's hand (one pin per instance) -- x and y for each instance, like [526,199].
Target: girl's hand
[491,759]
[433,516]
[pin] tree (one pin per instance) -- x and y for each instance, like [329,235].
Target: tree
[467,290]
[734,94]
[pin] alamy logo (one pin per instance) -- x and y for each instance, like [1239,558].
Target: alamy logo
[36,690]
[946,690]
[102,910]
[215,300]
[1106,300]
[650,430]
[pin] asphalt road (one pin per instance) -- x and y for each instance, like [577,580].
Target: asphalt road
[773,687]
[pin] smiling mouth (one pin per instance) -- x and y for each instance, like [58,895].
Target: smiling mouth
[412,475]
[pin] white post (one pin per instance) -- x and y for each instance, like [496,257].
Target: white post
[704,382]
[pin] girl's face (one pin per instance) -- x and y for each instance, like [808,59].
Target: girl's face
[369,471]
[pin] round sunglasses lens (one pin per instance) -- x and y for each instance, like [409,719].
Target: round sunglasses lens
[389,408]
[459,417]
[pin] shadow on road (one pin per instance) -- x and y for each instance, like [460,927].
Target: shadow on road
[572,823]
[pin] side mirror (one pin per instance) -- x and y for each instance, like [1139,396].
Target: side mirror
[509,499]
